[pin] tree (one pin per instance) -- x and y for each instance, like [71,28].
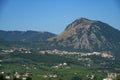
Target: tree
[118,78]
[95,78]
[16,79]
[28,78]
[76,78]
[2,77]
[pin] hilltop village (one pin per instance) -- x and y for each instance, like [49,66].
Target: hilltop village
[79,56]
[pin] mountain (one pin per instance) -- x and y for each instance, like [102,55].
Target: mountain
[25,35]
[87,36]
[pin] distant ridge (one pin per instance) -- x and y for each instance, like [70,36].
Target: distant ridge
[25,35]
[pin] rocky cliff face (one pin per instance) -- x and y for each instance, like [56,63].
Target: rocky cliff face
[88,35]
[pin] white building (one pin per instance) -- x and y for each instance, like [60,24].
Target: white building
[107,79]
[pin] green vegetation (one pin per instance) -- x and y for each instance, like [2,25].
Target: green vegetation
[53,66]
[40,65]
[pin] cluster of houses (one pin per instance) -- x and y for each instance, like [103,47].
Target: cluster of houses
[55,51]
[91,77]
[21,50]
[24,76]
[60,66]
[102,54]
[111,76]
[16,75]
[7,51]
[50,76]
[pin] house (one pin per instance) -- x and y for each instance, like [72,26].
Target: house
[0,60]
[56,67]
[24,78]
[26,75]
[2,72]
[45,76]
[7,77]
[111,76]
[52,75]
[90,76]
[17,75]
[107,79]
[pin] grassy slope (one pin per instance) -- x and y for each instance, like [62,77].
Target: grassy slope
[40,65]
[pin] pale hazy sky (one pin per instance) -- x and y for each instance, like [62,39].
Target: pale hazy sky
[54,15]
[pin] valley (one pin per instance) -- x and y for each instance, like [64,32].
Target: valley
[85,50]
[40,65]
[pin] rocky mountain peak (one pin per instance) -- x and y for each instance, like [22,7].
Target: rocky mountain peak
[78,22]
[88,35]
